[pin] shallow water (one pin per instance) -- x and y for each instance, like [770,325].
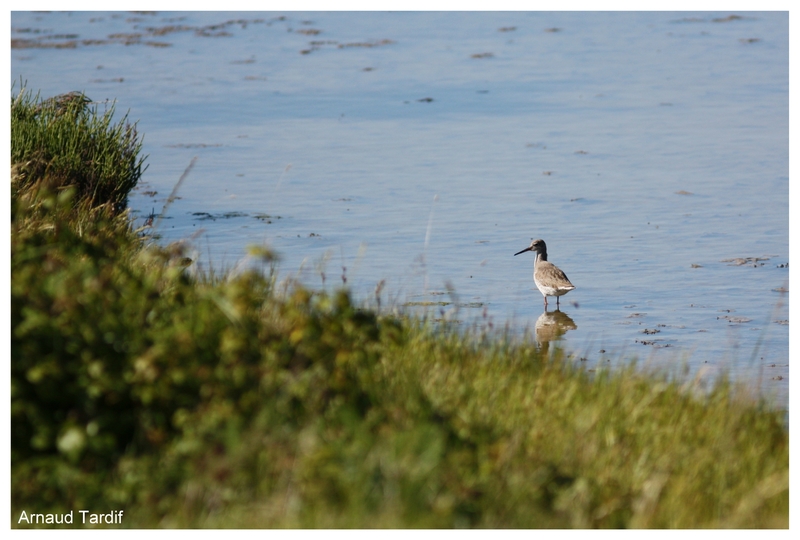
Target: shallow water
[425,149]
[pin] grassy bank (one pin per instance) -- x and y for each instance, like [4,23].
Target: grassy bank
[189,402]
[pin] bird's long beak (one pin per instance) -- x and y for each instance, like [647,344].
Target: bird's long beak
[523,251]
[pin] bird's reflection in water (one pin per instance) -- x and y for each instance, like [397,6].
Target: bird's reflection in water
[550,326]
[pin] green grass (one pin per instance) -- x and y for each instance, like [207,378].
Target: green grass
[227,401]
[65,141]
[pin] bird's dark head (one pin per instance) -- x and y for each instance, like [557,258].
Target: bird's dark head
[537,245]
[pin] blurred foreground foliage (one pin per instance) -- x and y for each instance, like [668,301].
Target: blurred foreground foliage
[192,402]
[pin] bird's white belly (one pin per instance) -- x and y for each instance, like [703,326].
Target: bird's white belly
[551,291]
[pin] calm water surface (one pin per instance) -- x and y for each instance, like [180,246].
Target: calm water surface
[649,150]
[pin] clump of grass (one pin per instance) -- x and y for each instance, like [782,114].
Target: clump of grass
[65,141]
[208,402]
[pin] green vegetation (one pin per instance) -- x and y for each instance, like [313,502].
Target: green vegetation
[64,142]
[230,402]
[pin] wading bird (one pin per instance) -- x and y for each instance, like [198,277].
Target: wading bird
[549,278]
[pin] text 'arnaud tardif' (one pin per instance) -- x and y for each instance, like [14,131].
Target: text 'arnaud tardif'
[85,517]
